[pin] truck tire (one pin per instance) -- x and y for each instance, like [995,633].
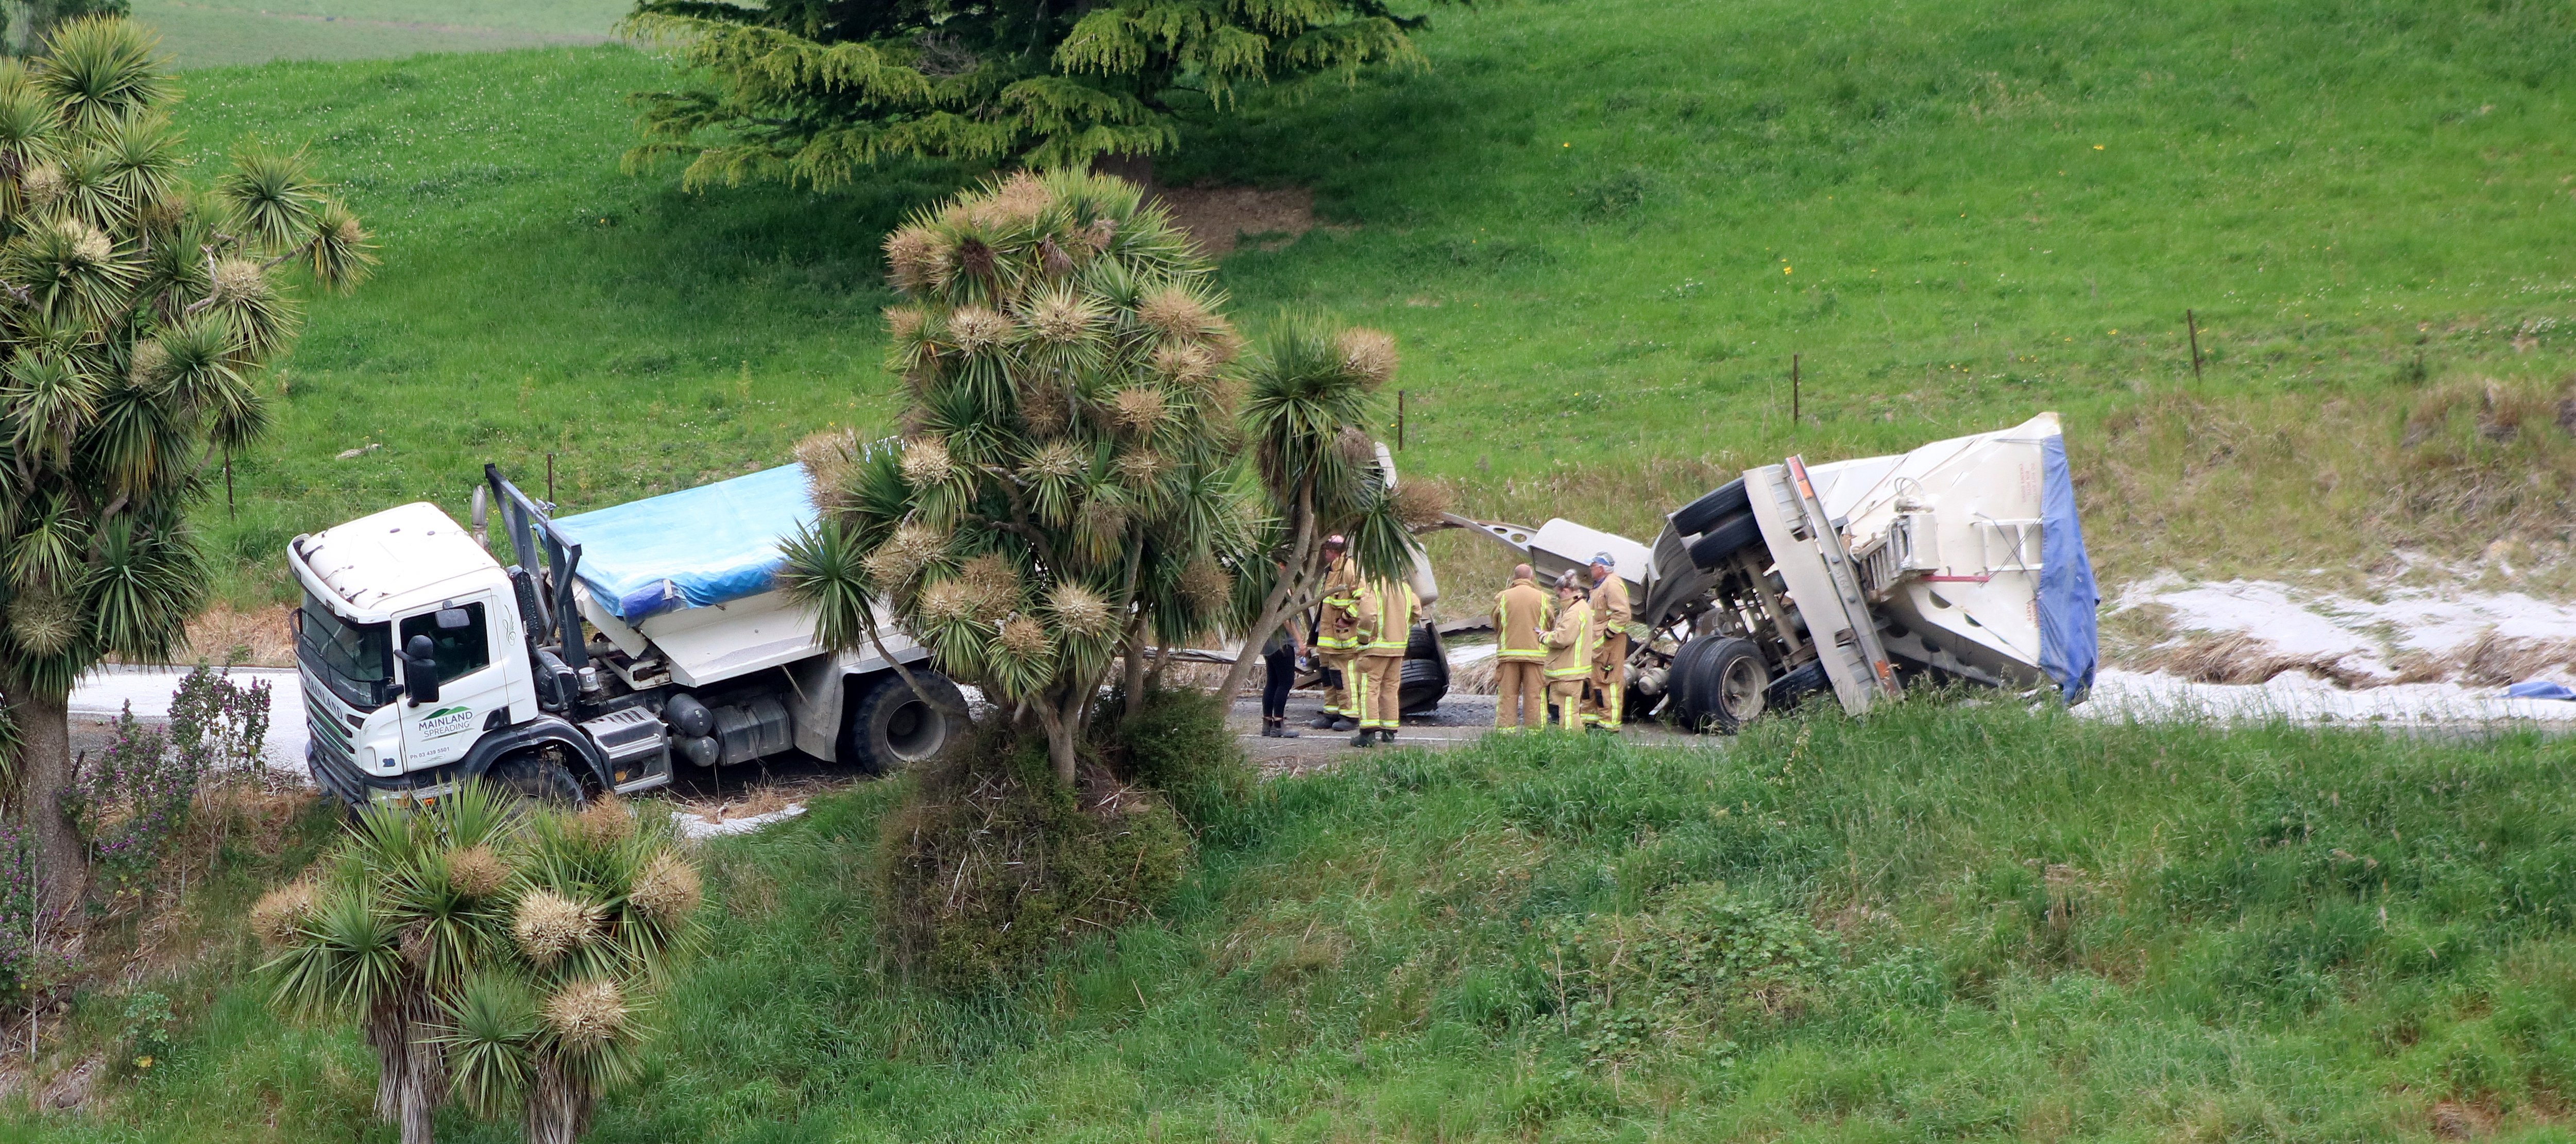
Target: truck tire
[1721,502]
[887,727]
[1725,538]
[1734,685]
[538,779]
[1684,707]
[1426,682]
[1795,684]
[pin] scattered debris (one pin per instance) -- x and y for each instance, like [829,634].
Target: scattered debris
[360,451]
[2251,631]
[694,826]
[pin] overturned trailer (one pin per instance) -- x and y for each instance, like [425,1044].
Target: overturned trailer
[1960,560]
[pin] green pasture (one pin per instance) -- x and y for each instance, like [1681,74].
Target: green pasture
[1947,923]
[1600,231]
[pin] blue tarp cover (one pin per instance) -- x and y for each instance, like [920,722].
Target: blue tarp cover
[691,548]
[2069,645]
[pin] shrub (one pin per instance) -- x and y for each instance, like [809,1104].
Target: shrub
[991,861]
[1177,743]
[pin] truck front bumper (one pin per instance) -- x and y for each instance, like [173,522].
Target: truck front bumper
[344,781]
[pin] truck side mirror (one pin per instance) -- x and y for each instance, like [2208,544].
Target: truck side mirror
[450,619]
[420,670]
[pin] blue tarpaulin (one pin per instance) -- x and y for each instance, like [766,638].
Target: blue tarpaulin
[2540,689]
[2069,645]
[692,548]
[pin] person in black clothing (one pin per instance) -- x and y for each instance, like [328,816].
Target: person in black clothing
[1279,656]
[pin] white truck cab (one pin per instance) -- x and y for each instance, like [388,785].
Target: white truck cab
[427,661]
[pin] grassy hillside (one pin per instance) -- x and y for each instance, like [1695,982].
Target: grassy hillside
[214,33]
[1600,231]
[1948,923]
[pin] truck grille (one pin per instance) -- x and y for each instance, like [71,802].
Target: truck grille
[322,721]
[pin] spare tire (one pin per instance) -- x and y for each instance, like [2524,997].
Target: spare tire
[1723,501]
[885,726]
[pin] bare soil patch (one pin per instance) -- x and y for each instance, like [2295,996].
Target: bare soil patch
[1221,217]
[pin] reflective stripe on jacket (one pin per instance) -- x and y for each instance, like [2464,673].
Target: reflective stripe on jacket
[1387,609]
[1569,644]
[1522,614]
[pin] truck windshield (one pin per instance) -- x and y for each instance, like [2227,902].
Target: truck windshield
[354,660]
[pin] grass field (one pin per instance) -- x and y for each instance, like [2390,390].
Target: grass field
[1600,231]
[1947,923]
[215,33]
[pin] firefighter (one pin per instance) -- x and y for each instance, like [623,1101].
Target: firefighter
[1386,609]
[1336,636]
[1609,604]
[1569,652]
[1522,613]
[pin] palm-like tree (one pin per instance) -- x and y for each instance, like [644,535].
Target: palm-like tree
[605,904]
[410,906]
[1313,389]
[136,313]
[1065,492]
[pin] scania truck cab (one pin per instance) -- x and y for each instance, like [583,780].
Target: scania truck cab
[614,644]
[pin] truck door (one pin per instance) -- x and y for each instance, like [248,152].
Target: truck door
[471,687]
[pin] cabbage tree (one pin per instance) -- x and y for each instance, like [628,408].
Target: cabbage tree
[1065,491]
[137,310]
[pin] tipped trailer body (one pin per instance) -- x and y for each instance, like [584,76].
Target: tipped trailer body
[616,643]
[1960,560]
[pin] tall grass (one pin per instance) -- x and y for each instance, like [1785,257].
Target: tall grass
[1599,231]
[1947,921]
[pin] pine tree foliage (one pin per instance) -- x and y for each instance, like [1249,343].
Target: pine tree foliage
[136,313]
[1066,489]
[816,91]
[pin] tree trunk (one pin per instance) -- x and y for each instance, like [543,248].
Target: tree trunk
[1274,610]
[390,1035]
[424,1082]
[1059,736]
[45,755]
[558,1105]
[1133,683]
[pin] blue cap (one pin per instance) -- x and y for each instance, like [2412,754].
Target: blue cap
[1604,559]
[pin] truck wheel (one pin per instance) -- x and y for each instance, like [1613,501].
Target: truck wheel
[1686,707]
[889,727]
[1797,683]
[1721,502]
[1733,683]
[538,779]
[1725,538]
[1425,684]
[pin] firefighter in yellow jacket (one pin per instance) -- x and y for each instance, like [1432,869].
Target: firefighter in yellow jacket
[1336,635]
[1569,652]
[1610,618]
[1522,614]
[1386,610]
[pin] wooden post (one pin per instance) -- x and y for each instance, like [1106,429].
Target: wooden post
[550,482]
[1399,420]
[1793,391]
[2191,323]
